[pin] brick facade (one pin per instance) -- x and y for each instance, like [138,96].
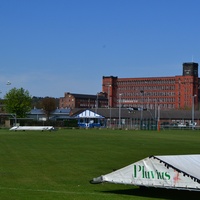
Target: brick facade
[71,100]
[174,92]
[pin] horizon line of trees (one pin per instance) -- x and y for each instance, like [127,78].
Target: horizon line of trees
[20,102]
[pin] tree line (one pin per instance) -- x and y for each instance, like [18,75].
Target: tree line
[20,102]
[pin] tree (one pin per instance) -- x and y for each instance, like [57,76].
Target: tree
[48,105]
[18,101]
[36,102]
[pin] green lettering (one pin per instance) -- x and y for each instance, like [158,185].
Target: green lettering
[159,175]
[167,175]
[136,169]
[143,172]
[149,174]
[152,174]
[140,168]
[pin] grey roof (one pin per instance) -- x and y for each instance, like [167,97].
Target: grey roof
[147,114]
[77,111]
[60,111]
[88,96]
[36,111]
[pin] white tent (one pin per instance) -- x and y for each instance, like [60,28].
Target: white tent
[88,114]
[174,172]
[32,128]
[89,118]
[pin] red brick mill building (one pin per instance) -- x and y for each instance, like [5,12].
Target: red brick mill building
[173,92]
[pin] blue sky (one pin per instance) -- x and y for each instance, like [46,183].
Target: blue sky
[50,47]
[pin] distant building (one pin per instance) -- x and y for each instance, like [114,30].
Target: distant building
[71,100]
[132,119]
[57,114]
[174,92]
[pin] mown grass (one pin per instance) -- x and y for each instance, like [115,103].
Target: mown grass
[59,165]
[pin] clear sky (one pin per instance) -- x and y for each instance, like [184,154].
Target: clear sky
[50,47]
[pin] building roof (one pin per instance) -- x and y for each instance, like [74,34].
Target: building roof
[88,114]
[60,111]
[87,96]
[136,114]
[36,111]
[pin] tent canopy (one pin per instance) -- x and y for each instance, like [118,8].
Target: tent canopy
[175,172]
[88,114]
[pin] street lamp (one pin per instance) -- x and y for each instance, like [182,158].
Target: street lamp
[119,125]
[141,109]
[96,103]
[109,102]
[193,111]
[158,125]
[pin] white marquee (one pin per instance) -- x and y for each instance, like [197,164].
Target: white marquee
[174,172]
[88,114]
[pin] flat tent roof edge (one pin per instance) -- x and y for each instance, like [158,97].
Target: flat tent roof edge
[33,128]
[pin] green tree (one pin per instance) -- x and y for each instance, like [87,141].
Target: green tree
[18,101]
[48,105]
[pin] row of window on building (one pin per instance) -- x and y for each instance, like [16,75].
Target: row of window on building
[148,94]
[149,82]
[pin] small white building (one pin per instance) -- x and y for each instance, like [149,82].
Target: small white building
[90,119]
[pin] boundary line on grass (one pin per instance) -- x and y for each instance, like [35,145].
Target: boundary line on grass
[51,191]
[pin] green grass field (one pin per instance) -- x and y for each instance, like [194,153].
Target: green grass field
[59,165]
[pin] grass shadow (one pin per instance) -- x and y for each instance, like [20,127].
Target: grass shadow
[158,193]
